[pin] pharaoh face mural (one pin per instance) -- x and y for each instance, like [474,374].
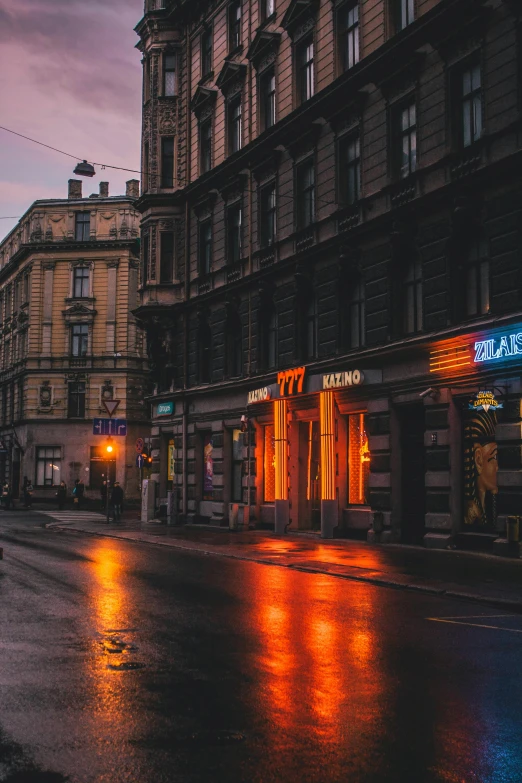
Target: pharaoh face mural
[480,464]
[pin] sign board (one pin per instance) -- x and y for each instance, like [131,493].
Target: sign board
[503,346]
[259,395]
[109,427]
[337,380]
[485,400]
[140,461]
[139,445]
[110,406]
[165,408]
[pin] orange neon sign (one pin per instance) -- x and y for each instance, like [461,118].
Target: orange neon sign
[291,381]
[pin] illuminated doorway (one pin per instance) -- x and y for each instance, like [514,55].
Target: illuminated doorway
[309,476]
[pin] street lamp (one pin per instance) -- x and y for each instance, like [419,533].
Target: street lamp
[109,451]
[85,169]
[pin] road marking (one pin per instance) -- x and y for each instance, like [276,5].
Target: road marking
[474,625]
[470,616]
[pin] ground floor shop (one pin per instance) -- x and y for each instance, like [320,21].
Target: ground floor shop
[47,453]
[422,445]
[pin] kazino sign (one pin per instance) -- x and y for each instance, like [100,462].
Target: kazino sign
[337,380]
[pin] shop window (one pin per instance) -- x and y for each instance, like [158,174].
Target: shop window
[98,468]
[76,400]
[358,460]
[477,279]
[48,466]
[236,494]
[413,320]
[269,464]
[208,466]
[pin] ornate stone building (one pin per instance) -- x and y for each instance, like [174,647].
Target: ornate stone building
[68,283]
[331,209]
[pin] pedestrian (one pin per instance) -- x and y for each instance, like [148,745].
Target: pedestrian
[117,501]
[76,495]
[103,495]
[6,495]
[28,493]
[61,495]
[81,492]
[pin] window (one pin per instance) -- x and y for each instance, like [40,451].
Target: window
[80,282]
[406,140]
[268,95]
[268,337]
[234,249]
[146,166]
[269,464]
[404,13]
[205,247]
[146,80]
[267,8]
[236,495]
[413,298]
[79,339]
[205,146]
[207,466]
[48,466]
[234,125]
[358,460]
[166,257]
[167,162]
[233,345]
[234,25]
[206,52]
[25,292]
[310,329]
[83,226]
[76,400]
[349,36]
[145,259]
[471,97]
[305,67]
[350,169]
[169,75]
[305,194]
[204,343]
[477,279]
[267,215]
[357,322]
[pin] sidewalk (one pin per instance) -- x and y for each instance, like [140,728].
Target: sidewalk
[454,574]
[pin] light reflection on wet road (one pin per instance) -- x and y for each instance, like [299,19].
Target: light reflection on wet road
[134,663]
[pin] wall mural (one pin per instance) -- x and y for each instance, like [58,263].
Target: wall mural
[480,463]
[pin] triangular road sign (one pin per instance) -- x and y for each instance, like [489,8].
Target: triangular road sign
[110,406]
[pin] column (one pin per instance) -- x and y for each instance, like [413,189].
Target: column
[329,505]
[282,506]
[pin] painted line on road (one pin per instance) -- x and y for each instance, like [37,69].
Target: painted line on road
[474,625]
[470,616]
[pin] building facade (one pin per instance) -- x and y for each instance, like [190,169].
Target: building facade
[68,283]
[331,262]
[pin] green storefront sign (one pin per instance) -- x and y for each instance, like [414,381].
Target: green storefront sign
[165,409]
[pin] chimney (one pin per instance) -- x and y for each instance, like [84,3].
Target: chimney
[133,188]
[75,188]
[104,190]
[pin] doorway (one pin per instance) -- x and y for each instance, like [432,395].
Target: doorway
[413,474]
[309,476]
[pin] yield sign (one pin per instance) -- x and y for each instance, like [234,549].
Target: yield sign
[110,406]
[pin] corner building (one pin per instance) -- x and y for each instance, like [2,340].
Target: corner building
[68,283]
[331,255]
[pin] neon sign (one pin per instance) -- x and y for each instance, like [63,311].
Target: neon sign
[484,401]
[498,348]
[291,381]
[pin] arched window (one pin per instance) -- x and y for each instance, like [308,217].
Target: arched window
[233,344]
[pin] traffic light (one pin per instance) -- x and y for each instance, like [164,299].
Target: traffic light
[146,454]
[110,450]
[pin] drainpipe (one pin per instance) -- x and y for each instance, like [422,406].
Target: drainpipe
[188,140]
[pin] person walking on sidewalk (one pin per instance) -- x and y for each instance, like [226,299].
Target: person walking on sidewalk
[61,495]
[117,501]
[28,493]
[103,495]
[78,491]
[6,496]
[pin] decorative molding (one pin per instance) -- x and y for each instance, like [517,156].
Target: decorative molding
[203,101]
[263,49]
[231,77]
[299,17]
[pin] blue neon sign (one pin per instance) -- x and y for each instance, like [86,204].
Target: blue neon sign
[502,347]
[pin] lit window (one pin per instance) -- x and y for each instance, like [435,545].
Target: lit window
[48,466]
[358,460]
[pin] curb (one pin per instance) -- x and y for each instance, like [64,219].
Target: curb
[440,592]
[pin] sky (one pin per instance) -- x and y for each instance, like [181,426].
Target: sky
[69,77]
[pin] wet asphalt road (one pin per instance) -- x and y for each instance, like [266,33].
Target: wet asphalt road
[125,662]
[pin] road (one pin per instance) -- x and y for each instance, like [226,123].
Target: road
[137,663]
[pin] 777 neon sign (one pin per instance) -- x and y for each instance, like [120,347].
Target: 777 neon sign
[502,347]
